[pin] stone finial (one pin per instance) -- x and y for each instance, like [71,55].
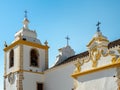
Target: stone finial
[25,21]
[46,43]
[5,44]
[20,36]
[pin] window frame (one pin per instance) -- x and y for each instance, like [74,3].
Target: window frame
[37,85]
[11,58]
[37,54]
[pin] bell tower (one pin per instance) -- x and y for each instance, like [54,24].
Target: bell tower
[25,59]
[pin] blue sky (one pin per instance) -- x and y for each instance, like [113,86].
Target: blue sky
[55,19]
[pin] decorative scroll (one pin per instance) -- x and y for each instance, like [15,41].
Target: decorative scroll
[94,55]
[104,52]
[115,57]
[78,65]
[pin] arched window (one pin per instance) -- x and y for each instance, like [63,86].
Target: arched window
[11,59]
[34,58]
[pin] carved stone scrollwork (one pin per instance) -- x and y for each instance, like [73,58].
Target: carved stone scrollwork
[78,64]
[118,51]
[94,55]
[115,57]
[104,52]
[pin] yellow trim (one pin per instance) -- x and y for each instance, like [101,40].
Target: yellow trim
[97,39]
[90,42]
[75,75]
[25,43]
[24,71]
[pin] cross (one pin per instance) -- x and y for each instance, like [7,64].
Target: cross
[67,38]
[98,26]
[25,13]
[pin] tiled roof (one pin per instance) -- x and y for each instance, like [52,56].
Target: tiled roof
[114,43]
[86,53]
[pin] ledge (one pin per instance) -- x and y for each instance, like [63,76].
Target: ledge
[5,75]
[113,65]
[25,43]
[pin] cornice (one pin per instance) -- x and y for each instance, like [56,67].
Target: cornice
[26,43]
[113,65]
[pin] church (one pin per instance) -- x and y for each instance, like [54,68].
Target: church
[26,64]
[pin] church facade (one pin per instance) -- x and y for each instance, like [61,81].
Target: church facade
[26,64]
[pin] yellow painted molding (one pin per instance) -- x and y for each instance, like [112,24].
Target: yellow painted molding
[25,43]
[113,65]
[95,39]
[24,71]
[90,42]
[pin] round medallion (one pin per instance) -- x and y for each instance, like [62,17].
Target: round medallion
[11,78]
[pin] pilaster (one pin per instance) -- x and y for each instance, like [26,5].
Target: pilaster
[20,74]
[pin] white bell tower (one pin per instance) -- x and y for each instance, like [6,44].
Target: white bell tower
[25,59]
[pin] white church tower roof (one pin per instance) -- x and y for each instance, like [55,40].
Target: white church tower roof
[64,53]
[25,33]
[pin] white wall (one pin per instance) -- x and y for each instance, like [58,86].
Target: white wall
[9,86]
[16,60]
[59,78]
[26,59]
[102,80]
[30,80]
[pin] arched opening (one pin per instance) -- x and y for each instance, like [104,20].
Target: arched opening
[34,58]
[11,59]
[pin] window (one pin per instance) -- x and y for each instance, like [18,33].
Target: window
[34,58]
[39,86]
[11,59]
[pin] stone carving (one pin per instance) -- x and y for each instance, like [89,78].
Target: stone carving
[104,52]
[78,65]
[115,57]
[94,55]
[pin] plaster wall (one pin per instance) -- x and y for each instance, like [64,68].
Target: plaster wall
[16,60]
[102,80]
[59,78]
[103,61]
[31,79]
[26,58]
[9,86]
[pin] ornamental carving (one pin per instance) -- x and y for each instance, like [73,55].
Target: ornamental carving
[115,57]
[78,65]
[94,55]
[104,52]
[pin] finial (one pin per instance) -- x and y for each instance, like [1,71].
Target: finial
[26,21]
[5,44]
[20,36]
[98,26]
[67,38]
[46,43]
[25,13]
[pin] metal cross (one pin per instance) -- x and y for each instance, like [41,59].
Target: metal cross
[25,13]
[98,26]
[67,38]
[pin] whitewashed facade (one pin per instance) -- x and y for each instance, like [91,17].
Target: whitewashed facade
[26,64]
